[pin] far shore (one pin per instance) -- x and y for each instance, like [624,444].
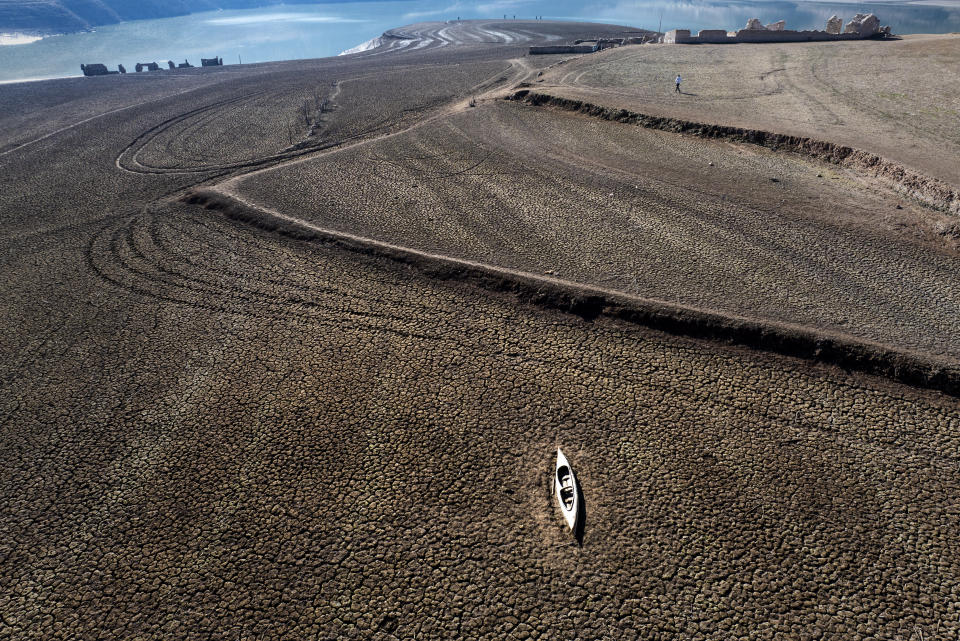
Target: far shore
[18,38]
[358,49]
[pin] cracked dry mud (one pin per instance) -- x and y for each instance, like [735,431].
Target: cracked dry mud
[210,430]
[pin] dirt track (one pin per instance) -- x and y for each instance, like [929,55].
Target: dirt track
[212,430]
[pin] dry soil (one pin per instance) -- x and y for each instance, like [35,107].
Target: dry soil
[213,430]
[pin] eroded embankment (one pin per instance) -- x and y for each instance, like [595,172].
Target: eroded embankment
[592,302]
[929,191]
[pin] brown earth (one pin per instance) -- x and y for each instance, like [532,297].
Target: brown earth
[899,99]
[212,430]
[727,227]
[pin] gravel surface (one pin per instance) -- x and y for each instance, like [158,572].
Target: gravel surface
[209,430]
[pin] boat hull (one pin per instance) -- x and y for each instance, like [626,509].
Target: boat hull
[566,490]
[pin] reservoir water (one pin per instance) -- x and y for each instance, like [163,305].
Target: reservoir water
[285,32]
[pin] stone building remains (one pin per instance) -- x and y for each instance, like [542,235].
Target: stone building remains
[96,69]
[863,25]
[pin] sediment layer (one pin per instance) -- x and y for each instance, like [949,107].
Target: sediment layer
[593,302]
[929,191]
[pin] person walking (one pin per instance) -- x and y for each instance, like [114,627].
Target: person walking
[678,83]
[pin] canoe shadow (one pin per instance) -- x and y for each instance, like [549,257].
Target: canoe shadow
[580,524]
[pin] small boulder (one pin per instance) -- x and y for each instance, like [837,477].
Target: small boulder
[863,24]
[779,25]
[834,25]
[754,24]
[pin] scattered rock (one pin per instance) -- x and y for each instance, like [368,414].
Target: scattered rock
[863,24]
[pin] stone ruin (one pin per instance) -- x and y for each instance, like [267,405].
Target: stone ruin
[99,69]
[94,69]
[754,24]
[863,25]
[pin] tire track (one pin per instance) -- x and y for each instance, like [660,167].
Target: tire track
[171,252]
[116,254]
[127,159]
[129,253]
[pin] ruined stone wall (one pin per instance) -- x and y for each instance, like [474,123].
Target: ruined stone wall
[678,36]
[713,36]
[752,35]
[863,25]
[718,36]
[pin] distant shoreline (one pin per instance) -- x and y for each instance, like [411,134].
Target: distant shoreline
[19,38]
[365,46]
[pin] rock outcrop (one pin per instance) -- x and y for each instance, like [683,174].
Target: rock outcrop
[779,25]
[754,24]
[863,24]
[834,25]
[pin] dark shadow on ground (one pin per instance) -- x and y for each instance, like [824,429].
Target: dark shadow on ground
[581,523]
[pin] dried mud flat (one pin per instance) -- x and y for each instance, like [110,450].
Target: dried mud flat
[218,429]
[901,100]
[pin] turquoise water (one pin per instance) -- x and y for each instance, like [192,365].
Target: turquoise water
[282,32]
[286,32]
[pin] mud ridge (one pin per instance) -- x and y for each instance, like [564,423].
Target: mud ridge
[929,191]
[590,303]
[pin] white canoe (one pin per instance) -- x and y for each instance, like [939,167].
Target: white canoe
[565,485]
